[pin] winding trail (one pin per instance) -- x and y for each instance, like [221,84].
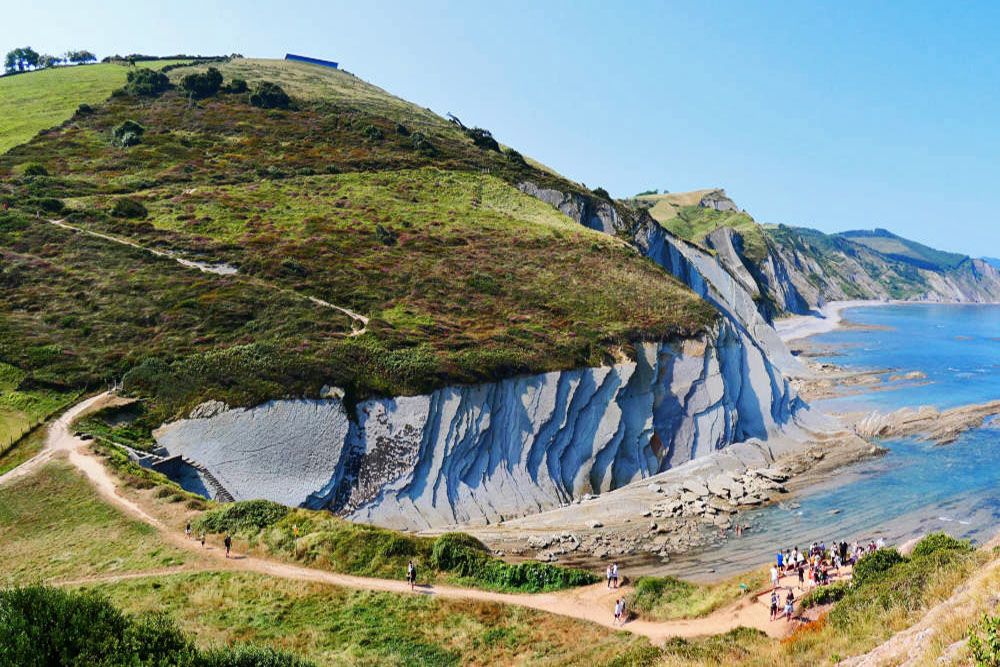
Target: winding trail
[359,324]
[590,603]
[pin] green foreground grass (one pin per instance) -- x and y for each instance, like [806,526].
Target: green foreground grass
[22,406]
[35,101]
[54,526]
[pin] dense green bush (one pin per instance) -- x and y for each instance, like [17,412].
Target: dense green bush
[939,542]
[128,208]
[146,82]
[873,566]
[514,157]
[34,169]
[650,592]
[984,643]
[825,595]
[47,204]
[202,84]
[129,133]
[235,86]
[41,626]
[372,133]
[483,138]
[247,516]
[422,145]
[268,95]
[602,193]
[468,558]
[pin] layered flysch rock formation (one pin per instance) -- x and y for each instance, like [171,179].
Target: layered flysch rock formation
[485,452]
[508,448]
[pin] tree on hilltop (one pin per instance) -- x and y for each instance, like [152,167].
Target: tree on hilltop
[21,59]
[78,57]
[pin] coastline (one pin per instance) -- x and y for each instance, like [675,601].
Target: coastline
[828,318]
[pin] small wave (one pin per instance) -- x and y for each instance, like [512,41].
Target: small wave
[944,518]
[965,523]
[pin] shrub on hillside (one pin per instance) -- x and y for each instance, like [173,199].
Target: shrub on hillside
[650,592]
[422,145]
[514,157]
[402,130]
[468,558]
[51,626]
[146,82]
[984,643]
[372,133]
[825,595]
[483,138]
[602,193]
[940,542]
[874,566]
[129,208]
[245,516]
[34,169]
[235,87]
[202,84]
[47,204]
[129,133]
[267,95]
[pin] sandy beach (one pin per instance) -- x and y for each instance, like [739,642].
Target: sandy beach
[826,319]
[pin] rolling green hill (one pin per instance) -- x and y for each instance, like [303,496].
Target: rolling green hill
[886,243]
[36,101]
[351,197]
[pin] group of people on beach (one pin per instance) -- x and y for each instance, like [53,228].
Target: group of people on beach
[814,567]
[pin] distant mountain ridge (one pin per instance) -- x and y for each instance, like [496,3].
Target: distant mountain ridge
[797,269]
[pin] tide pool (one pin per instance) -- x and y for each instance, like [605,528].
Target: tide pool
[917,487]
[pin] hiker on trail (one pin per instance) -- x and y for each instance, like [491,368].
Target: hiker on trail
[774,577]
[774,604]
[614,573]
[187,530]
[619,608]
[608,573]
[802,574]
[789,605]
[411,574]
[229,544]
[780,558]
[202,539]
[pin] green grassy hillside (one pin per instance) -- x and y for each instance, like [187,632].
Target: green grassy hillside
[350,196]
[896,247]
[36,101]
[681,214]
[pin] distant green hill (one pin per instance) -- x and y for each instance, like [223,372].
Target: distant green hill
[891,245]
[351,196]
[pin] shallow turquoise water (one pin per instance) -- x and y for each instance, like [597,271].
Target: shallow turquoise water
[917,487]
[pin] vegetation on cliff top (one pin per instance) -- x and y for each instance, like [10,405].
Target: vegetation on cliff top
[322,540]
[353,197]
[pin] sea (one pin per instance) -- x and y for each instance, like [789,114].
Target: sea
[917,487]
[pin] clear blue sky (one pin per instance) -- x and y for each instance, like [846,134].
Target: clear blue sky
[835,115]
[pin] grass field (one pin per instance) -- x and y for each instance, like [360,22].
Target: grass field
[53,525]
[668,598]
[36,101]
[21,409]
[335,626]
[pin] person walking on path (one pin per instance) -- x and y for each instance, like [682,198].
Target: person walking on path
[202,539]
[774,577]
[229,544]
[411,574]
[608,574]
[774,604]
[187,530]
[619,606]
[780,558]
[614,573]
